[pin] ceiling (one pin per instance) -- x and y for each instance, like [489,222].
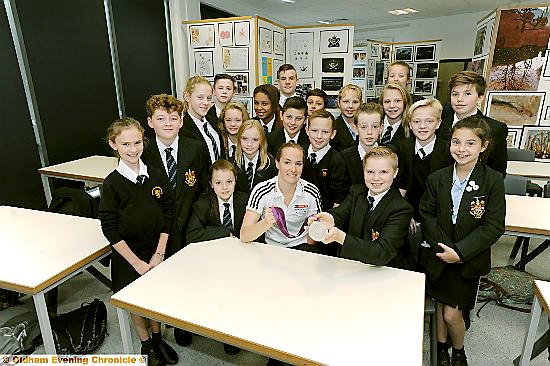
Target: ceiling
[357,12]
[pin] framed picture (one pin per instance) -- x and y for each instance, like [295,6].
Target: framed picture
[247,102]
[301,53]
[546,72]
[424,87]
[480,40]
[374,50]
[265,40]
[359,72]
[483,37]
[515,108]
[379,74]
[332,101]
[202,36]
[334,41]
[385,52]
[513,138]
[547,114]
[360,57]
[225,34]
[426,70]
[370,83]
[204,65]
[477,66]
[332,83]
[267,70]
[276,65]
[425,53]
[332,65]
[242,86]
[371,67]
[278,43]
[304,86]
[537,139]
[404,53]
[241,33]
[235,58]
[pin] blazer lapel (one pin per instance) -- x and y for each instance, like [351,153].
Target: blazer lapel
[374,214]
[440,155]
[469,196]
[239,208]
[446,202]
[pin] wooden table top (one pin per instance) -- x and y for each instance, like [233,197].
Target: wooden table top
[93,168]
[530,169]
[530,215]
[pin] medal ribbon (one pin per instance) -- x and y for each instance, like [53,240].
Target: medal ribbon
[280,219]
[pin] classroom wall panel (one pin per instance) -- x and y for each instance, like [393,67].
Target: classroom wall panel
[20,184]
[69,58]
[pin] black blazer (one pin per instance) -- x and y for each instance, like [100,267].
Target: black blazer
[277,137]
[203,225]
[192,180]
[212,116]
[354,165]
[397,136]
[377,237]
[260,175]
[190,129]
[498,154]
[343,138]
[480,220]
[277,124]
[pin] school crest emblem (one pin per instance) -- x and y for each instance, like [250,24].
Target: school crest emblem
[375,235]
[324,172]
[156,192]
[477,208]
[190,178]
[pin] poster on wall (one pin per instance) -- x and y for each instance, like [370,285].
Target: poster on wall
[278,43]
[521,41]
[537,139]
[360,57]
[334,41]
[266,38]
[267,70]
[425,53]
[276,65]
[202,36]
[515,109]
[423,87]
[241,83]
[204,64]
[404,53]
[332,83]
[332,65]
[371,67]
[225,34]
[379,74]
[426,70]
[301,53]
[235,58]
[247,102]
[385,52]
[242,33]
[374,50]
[483,37]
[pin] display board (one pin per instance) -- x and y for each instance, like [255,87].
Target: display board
[517,71]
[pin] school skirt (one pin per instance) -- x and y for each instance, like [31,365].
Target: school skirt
[453,290]
[122,272]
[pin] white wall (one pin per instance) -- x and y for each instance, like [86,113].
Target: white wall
[456,31]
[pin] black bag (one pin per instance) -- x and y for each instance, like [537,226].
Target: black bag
[82,330]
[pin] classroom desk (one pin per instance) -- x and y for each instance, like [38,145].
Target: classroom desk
[298,307]
[91,169]
[541,300]
[42,250]
[530,169]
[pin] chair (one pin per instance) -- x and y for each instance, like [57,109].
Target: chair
[514,154]
[429,309]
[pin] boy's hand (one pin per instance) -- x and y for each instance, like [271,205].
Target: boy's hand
[335,234]
[449,255]
[324,217]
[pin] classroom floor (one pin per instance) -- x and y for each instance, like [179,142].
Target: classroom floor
[495,338]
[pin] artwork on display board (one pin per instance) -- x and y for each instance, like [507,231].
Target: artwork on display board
[266,39]
[514,135]
[378,91]
[379,74]
[515,109]
[359,72]
[386,67]
[546,72]
[477,66]
[423,87]
[334,41]
[225,34]
[404,53]
[301,53]
[374,50]
[276,65]
[521,41]
[483,37]
[202,36]
[426,70]
[425,53]
[371,67]
[242,86]
[547,114]
[370,83]
[267,70]
[241,33]
[537,139]
[247,102]
[235,58]
[360,56]
[480,40]
[332,83]
[303,87]
[332,65]
[204,63]
[385,52]
[278,43]
[332,101]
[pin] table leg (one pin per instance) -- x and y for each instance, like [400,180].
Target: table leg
[123,320]
[44,322]
[536,311]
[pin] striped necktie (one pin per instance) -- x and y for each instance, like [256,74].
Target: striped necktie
[313,158]
[140,180]
[387,136]
[371,203]
[250,175]
[227,222]
[214,144]
[422,154]
[171,166]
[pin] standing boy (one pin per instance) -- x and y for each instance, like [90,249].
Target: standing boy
[294,117]
[287,78]
[224,89]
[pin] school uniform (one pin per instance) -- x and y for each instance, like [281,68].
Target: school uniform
[397,133]
[414,170]
[260,174]
[136,213]
[353,157]
[467,216]
[206,223]
[328,174]
[192,166]
[190,129]
[344,137]
[498,154]
[279,136]
[269,127]
[378,236]
[213,115]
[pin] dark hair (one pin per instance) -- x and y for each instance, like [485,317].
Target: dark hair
[220,164]
[224,77]
[163,101]
[284,146]
[369,108]
[468,78]
[285,67]
[274,95]
[480,128]
[322,113]
[296,103]
[318,93]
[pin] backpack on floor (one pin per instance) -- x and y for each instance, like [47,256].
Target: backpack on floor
[82,330]
[508,287]
[20,335]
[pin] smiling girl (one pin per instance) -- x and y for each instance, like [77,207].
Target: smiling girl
[266,107]
[395,100]
[231,119]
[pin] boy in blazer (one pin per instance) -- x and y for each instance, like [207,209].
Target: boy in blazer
[294,114]
[224,89]
[372,222]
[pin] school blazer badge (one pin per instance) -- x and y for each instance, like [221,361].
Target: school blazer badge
[156,192]
[190,178]
[375,235]
[477,207]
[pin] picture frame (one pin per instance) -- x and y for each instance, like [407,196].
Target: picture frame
[425,52]
[379,76]
[360,57]
[371,67]
[332,101]
[235,58]
[403,53]
[332,83]
[537,139]
[202,36]
[359,72]
[267,70]
[484,32]
[204,63]
[265,40]
[242,83]
[332,65]
[426,70]
[516,109]
[304,86]
[334,41]
[370,83]
[546,72]
[547,114]
[278,43]
[514,137]
[241,33]
[374,50]
[247,102]
[385,52]
[301,53]
[424,87]
[276,64]
[225,34]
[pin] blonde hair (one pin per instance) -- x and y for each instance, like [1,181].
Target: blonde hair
[239,155]
[429,102]
[350,87]
[221,124]
[191,85]
[406,103]
[369,108]
[381,152]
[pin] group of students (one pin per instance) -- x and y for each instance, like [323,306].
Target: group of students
[377,177]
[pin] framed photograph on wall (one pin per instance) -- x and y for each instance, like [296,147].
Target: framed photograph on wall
[332,65]
[334,41]
[332,101]
[374,50]
[276,65]
[514,137]
[332,83]
[242,86]
[424,87]
[225,34]
[426,70]
[359,57]
[425,53]
[546,72]
[202,36]
[204,63]
[241,33]
[265,40]
[385,52]
[359,72]
[515,108]
[404,53]
[301,53]
[278,43]
[235,58]
[247,102]
[371,67]
[537,139]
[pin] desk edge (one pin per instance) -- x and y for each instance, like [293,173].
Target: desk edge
[543,301]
